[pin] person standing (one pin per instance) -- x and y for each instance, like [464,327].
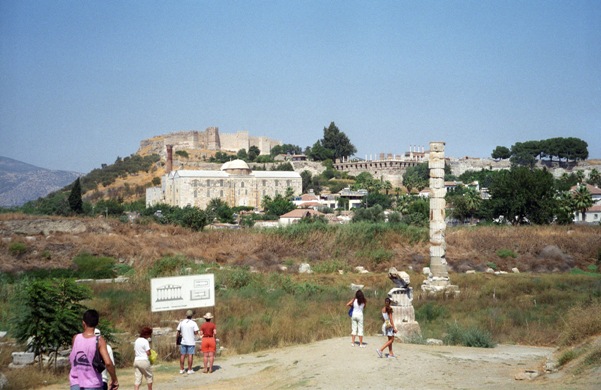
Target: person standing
[208,346]
[188,329]
[388,328]
[105,373]
[142,367]
[358,304]
[83,348]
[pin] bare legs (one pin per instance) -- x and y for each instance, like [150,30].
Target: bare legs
[182,360]
[389,345]
[209,358]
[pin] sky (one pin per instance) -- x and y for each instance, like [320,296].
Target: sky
[83,82]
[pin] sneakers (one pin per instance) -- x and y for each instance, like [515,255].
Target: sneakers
[352,344]
[190,372]
[379,353]
[182,371]
[362,345]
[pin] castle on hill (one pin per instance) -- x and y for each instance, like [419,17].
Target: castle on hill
[209,139]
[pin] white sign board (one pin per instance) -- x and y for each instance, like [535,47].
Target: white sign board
[182,292]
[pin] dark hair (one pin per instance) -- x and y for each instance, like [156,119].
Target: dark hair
[145,332]
[360,297]
[91,317]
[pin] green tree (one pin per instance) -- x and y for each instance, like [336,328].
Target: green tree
[253,153]
[337,142]
[218,209]
[565,208]
[370,214]
[501,152]
[594,178]
[523,195]
[193,218]
[416,177]
[75,200]
[277,206]
[582,200]
[242,155]
[320,153]
[48,313]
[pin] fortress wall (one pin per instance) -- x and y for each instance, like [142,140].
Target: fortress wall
[264,144]
[235,142]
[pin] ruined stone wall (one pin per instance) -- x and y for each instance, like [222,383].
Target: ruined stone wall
[209,139]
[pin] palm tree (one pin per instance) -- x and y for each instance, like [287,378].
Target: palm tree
[387,186]
[473,200]
[582,200]
[594,177]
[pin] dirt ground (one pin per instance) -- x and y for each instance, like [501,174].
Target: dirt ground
[334,364]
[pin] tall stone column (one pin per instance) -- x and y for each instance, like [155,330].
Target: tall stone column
[438,276]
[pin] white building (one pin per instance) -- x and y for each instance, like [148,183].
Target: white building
[235,183]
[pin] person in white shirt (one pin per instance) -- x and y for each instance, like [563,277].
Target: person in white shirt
[105,373]
[142,367]
[188,330]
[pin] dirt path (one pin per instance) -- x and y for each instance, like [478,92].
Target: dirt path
[334,364]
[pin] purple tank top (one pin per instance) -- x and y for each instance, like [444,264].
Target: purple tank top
[82,373]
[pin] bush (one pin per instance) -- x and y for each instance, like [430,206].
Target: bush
[17,248]
[504,253]
[430,312]
[468,337]
[581,322]
[93,267]
[169,266]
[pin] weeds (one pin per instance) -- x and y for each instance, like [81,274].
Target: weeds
[17,248]
[468,337]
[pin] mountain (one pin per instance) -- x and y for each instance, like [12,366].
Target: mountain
[21,182]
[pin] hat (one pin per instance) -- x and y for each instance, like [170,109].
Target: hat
[207,316]
[96,332]
[189,313]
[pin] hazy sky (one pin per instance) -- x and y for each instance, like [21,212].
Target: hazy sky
[83,82]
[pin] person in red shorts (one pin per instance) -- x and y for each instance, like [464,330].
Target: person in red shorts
[208,345]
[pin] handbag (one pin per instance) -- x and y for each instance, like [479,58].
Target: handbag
[350,312]
[178,341]
[97,362]
[153,356]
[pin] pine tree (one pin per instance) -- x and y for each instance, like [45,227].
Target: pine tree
[75,201]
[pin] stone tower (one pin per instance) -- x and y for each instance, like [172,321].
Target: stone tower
[213,141]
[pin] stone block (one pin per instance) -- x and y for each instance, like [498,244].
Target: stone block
[436,182]
[437,173]
[437,146]
[23,358]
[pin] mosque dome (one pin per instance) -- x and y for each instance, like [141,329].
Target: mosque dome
[236,167]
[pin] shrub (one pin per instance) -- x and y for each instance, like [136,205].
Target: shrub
[169,266]
[17,248]
[581,322]
[94,267]
[430,312]
[492,265]
[504,253]
[567,357]
[468,337]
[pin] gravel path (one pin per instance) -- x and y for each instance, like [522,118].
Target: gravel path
[334,364]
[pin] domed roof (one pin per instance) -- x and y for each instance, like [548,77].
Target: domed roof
[235,164]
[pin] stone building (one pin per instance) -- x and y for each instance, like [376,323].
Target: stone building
[235,183]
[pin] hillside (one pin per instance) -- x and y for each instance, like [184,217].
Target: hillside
[21,182]
[53,242]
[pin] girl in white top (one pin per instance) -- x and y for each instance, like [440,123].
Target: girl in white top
[358,304]
[142,367]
